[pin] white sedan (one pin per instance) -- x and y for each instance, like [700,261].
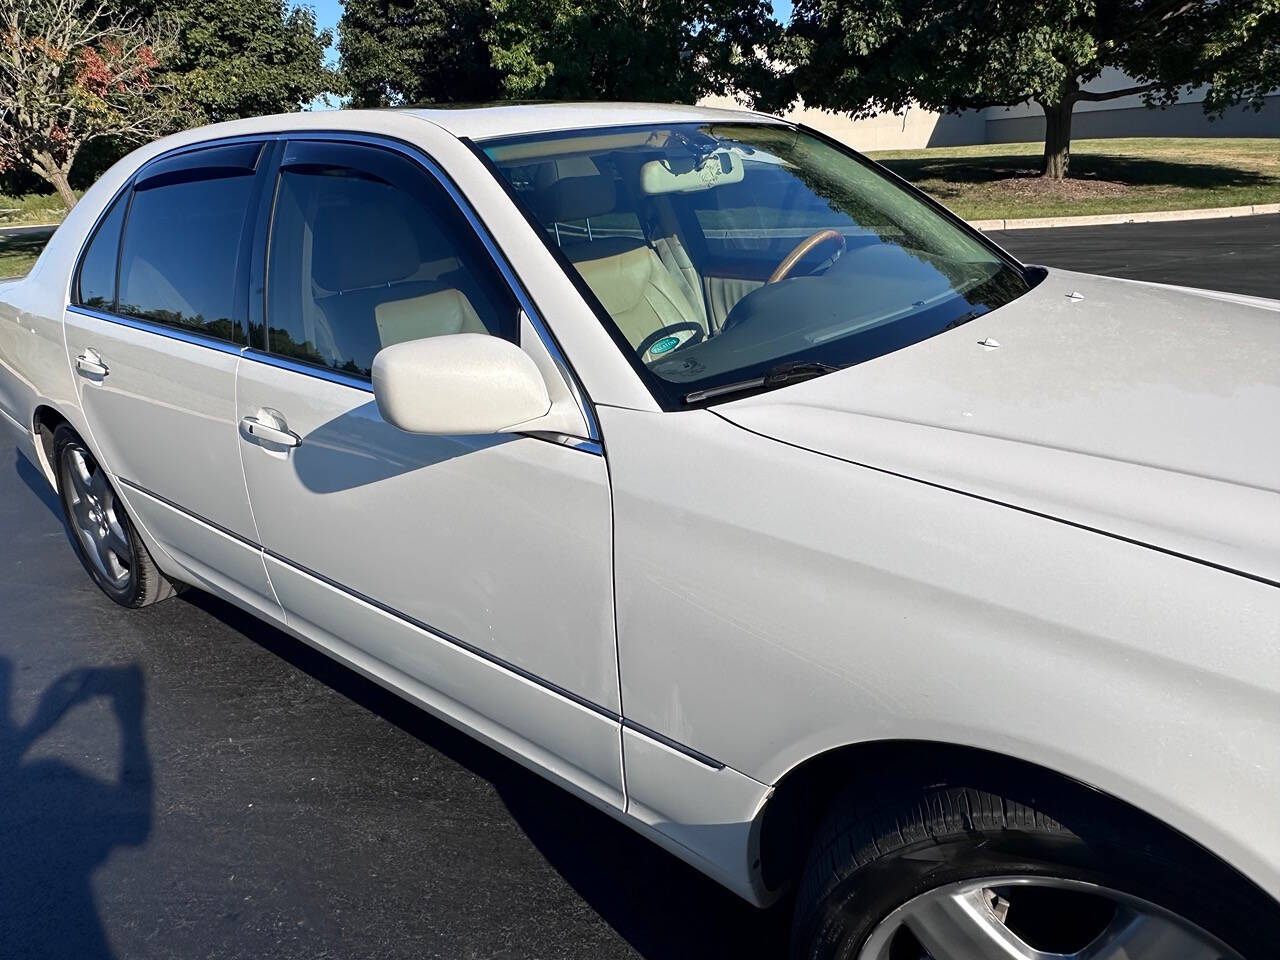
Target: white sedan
[708,469]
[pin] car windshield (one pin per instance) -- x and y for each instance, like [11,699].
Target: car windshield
[735,257]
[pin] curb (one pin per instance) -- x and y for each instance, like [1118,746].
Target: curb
[41,226]
[1107,219]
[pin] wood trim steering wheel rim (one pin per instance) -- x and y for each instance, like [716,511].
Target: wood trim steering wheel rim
[801,250]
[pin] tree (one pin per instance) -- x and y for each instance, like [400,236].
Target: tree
[72,72]
[243,58]
[661,50]
[404,51]
[867,56]
[411,51]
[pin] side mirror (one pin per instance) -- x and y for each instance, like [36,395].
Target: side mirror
[463,383]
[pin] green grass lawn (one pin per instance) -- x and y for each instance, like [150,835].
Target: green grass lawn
[17,254]
[991,182]
[30,208]
[999,181]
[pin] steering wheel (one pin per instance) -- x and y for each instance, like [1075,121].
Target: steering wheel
[802,249]
[660,337]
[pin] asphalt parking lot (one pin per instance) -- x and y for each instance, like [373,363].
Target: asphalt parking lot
[1240,255]
[185,781]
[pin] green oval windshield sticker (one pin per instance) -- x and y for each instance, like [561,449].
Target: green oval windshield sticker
[665,345]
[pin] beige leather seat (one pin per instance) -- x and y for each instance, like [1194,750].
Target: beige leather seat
[625,274]
[382,284]
[635,287]
[430,315]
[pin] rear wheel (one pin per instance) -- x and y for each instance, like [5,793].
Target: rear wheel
[954,872]
[103,536]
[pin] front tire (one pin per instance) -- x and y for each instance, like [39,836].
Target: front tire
[953,871]
[103,536]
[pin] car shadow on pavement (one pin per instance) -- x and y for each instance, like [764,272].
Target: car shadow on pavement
[29,474]
[58,823]
[661,907]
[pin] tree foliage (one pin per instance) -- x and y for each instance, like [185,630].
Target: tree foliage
[867,56]
[409,51]
[243,58]
[663,50]
[71,73]
[404,51]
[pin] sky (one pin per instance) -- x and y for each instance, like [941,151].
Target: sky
[328,13]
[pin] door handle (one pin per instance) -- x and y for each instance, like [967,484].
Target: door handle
[89,364]
[262,430]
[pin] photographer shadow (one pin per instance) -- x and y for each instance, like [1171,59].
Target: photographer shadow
[58,823]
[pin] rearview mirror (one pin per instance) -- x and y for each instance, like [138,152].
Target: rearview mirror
[464,383]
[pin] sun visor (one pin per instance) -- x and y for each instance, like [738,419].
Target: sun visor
[671,176]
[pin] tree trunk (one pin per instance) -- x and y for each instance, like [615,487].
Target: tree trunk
[60,183]
[1057,139]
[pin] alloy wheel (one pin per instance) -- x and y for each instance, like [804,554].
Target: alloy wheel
[95,518]
[1036,918]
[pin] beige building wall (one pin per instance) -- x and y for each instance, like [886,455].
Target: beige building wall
[909,130]
[915,127]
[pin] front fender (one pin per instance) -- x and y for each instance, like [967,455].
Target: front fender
[775,603]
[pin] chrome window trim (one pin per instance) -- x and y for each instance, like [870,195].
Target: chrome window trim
[577,443]
[592,443]
[164,330]
[580,444]
[424,160]
[308,369]
[73,289]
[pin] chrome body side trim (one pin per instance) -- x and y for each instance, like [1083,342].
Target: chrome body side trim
[164,330]
[448,638]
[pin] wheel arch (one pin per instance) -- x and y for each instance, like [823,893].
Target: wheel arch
[45,421]
[801,799]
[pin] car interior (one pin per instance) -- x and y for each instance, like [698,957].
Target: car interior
[358,265]
[616,219]
[724,253]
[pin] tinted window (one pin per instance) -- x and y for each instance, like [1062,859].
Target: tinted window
[367,250]
[182,249]
[766,212]
[97,286]
[721,254]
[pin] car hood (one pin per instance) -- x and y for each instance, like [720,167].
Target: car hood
[1144,411]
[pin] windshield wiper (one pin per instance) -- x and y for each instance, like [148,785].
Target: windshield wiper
[778,376]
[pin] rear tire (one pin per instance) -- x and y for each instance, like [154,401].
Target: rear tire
[103,535]
[1034,866]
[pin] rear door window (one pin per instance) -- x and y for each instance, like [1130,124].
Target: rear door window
[97,283]
[367,250]
[186,242]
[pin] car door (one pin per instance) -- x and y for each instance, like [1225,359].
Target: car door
[154,332]
[471,572]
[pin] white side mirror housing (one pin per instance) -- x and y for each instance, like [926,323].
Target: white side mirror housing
[463,383]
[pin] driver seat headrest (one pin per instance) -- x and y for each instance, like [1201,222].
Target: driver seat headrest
[574,189]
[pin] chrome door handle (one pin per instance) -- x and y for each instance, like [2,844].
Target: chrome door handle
[272,434]
[89,364]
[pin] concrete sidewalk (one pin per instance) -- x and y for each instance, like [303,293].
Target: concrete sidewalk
[1109,219]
